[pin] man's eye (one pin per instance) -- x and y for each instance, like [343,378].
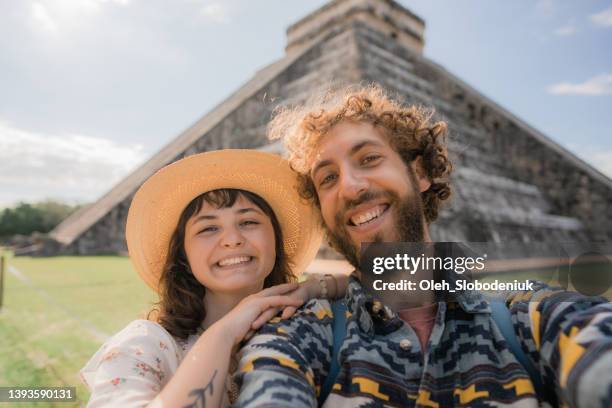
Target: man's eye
[370,158]
[328,179]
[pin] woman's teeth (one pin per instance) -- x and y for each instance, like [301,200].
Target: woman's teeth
[234,261]
[367,216]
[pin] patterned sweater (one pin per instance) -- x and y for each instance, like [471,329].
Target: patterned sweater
[567,336]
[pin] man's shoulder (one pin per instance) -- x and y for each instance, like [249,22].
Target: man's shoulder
[312,312]
[314,317]
[319,308]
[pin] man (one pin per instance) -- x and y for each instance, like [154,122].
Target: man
[377,171]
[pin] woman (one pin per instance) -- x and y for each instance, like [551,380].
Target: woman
[218,236]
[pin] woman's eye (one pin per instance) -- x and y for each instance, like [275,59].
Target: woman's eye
[208,229]
[249,222]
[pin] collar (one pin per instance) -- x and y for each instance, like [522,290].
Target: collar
[373,317]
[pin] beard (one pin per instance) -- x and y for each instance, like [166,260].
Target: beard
[409,223]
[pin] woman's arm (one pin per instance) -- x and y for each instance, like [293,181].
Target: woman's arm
[312,288]
[200,379]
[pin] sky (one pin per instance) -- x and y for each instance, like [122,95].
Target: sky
[89,89]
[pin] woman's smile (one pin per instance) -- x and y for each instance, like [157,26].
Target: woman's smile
[237,260]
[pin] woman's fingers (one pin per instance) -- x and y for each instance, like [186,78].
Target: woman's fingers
[270,306]
[264,317]
[279,300]
[248,336]
[278,289]
[288,312]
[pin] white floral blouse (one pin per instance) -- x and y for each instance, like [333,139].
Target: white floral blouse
[133,366]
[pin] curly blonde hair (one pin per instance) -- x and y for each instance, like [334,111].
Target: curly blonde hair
[409,130]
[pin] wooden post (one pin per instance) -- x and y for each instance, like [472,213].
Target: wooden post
[2,265]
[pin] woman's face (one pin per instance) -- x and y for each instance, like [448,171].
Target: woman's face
[230,250]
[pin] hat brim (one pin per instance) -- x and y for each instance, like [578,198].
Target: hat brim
[156,208]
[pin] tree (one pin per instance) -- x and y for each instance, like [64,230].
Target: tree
[27,218]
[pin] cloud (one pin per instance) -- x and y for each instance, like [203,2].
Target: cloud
[566,31]
[603,18]
[599,85]
[35,166]
[42,19]
[58,15]
[119,2]
[216,12]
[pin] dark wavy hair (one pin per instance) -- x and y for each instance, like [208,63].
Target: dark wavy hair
[409,129]
[180,309]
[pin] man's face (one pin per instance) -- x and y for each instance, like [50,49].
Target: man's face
[366,192]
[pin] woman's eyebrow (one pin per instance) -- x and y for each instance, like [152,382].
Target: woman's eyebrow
[204,217]
[248,209]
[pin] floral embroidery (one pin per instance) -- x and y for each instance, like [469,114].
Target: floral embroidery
[142,369]
[110,355]
[117,380]
[141,351]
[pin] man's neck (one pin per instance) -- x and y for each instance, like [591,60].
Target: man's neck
[418,298]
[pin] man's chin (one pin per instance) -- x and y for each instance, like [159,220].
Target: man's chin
[376,238]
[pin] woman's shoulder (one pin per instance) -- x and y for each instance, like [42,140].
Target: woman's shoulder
[141,341]
[140,335]
[141,329]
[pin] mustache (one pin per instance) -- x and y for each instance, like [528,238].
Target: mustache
[364,197]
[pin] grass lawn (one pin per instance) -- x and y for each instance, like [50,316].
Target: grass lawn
[53,323]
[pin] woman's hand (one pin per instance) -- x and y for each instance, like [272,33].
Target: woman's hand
[260,307]
[309,289]
[303,292]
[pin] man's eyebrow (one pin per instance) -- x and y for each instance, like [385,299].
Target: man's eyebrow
[365,143]
[320,165]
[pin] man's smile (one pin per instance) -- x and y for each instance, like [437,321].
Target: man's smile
[367,217]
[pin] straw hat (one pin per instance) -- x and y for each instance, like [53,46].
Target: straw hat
[158,204]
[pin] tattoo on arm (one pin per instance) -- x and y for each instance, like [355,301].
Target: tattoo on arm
[200,394]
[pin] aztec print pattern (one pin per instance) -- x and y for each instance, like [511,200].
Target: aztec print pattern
[468,363]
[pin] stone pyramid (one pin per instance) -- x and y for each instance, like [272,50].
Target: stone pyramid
[511,182]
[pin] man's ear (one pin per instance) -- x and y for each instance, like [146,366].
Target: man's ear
[421,176]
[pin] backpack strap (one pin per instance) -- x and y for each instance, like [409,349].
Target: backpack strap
[502,317]
[339,332]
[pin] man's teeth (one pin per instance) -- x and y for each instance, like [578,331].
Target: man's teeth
[368,216]
[234,261]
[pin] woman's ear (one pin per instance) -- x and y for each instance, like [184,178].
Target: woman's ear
[421,176]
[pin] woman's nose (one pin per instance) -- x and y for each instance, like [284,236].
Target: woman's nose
[232,239]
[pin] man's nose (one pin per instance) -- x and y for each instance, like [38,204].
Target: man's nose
[232,238]
[352,184]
